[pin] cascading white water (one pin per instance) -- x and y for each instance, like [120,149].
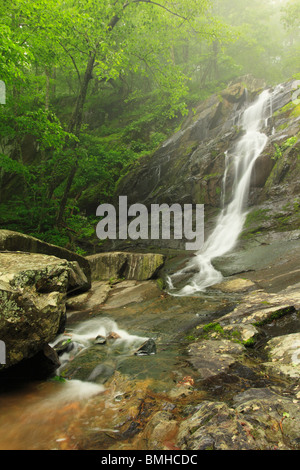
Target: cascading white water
[232,217]
[84,334]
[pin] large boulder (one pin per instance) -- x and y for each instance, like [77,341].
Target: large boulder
[33,290]
[118,265]
[15,241]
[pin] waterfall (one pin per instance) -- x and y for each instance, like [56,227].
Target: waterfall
[232,217]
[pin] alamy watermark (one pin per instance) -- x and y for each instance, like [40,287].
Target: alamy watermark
[2,344]
[161,222]
[2,92]
[2,352]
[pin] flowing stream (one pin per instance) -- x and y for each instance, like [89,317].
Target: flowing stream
[35,415]
[232,217]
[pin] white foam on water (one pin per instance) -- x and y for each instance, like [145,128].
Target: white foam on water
[76,390]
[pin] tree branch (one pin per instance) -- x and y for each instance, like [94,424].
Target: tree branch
[116,18]
[161,6]
[73,60]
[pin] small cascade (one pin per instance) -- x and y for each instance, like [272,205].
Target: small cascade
[83,336]
[240,161]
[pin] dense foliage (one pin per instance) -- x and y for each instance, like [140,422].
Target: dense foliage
[91,86]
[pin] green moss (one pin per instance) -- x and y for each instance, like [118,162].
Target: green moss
[285,109]
[292,221]
[9,308]
[211,176]
[256,216]
[160,283]
[157,191]
[282,127]
[296,111]
[58,378]
[275,316]
[292,109]
[190,148]
[253,223]
[249,343]
[216,330]
[280,149]
[215,327]
[190,338]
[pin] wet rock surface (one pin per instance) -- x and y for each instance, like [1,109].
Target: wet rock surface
[224,373]
[212,358]
[259,419]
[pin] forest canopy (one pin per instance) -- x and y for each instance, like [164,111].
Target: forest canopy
[91,86]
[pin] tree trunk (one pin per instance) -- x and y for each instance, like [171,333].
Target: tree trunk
[47,91]
[76,119]
[64,199]
[215,59]
[54,83]
[74,128]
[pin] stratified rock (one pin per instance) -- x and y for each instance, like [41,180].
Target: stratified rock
[118,265]
[33,288]
[105,266]
[44,273]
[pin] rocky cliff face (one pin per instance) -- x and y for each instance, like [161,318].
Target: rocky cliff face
[189,167]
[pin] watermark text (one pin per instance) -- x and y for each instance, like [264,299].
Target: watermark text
[2,92]
[163,222]
[2,352]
